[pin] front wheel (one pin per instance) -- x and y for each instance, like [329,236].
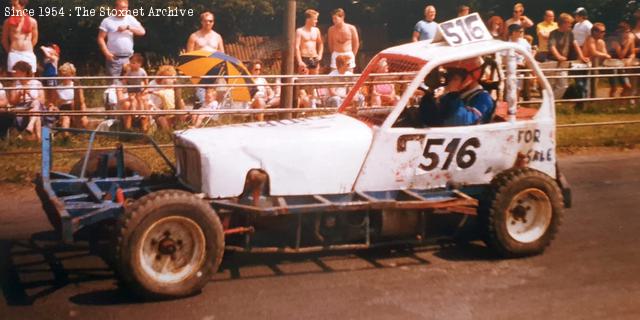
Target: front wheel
[169,244]
[522,213]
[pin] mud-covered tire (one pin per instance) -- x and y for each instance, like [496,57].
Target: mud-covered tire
[132,164]
[521,213]
[168,244]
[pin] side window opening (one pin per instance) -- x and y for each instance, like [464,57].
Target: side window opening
[383,82]
[478,99]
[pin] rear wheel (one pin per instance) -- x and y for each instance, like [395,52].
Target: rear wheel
[523,212]
[169,245]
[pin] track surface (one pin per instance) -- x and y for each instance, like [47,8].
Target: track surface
[592,270]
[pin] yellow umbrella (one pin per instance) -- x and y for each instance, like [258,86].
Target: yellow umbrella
[205,63]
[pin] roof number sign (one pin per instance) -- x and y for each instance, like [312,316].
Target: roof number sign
[464,30]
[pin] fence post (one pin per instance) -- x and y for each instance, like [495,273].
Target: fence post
[593,82]
[289,52]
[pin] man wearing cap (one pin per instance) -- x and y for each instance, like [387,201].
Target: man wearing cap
[464,101]
[582,28]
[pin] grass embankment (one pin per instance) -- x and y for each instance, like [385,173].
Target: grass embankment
[622,136]
[17,167]
[21,168]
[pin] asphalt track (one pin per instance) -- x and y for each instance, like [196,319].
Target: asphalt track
[591,271]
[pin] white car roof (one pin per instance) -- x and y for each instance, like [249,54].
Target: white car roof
[440,51]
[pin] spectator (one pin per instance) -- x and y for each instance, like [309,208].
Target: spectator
[123,101]
[307,96]
[115,37]
[264,96]
[338,94]
[562,48]
[70,99]
[496,26]
[205,38]
[28,96]
[383,94]
[516,36]
[136,94]
[594,47]
[309,44]
[164,98]
[426,29]
[19,36]
[529,39]
[519,17]
[210,103]
[562,44]
[343,39]
[463,10]
[623,48]
[543,30]
[582,27]
[52,56]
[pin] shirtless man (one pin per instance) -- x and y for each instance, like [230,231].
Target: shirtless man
[205,38]
[20,35]
[343,39]
[595,47]
[309,45]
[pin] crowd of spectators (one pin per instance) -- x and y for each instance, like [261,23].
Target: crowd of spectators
[570,37]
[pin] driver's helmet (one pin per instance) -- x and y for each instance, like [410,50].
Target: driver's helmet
[466,68]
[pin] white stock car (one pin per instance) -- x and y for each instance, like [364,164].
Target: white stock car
[358,178]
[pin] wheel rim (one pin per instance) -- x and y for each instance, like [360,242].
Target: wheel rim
[172,249]
[529,215]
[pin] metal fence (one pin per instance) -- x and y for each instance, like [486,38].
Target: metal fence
[590,74]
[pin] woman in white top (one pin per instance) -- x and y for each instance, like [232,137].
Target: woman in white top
[70,99]
[30,96]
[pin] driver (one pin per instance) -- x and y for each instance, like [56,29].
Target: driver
[463,101]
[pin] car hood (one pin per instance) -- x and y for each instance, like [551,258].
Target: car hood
[317,155]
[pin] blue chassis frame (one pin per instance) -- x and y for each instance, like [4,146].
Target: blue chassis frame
[73,203]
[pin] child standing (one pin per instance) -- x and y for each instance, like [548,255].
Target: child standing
[51,59]
[136,63]
[69,98]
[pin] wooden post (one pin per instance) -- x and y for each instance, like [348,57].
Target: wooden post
[289,54]
[593,82]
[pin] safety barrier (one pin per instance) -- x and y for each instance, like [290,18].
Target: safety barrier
[295,80]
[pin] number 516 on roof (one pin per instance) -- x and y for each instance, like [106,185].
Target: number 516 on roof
[464,30]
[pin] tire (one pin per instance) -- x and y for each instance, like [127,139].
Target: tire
[172,228]
[522,212]
[132,164]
